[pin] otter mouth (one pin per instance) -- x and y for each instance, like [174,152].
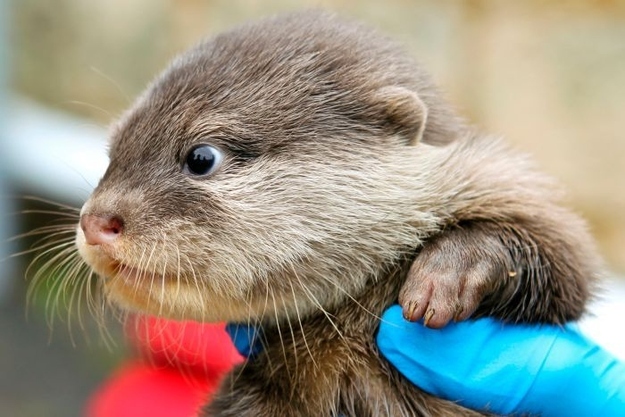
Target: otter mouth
[129,274]
[136,277]
[137,289]
[126,275]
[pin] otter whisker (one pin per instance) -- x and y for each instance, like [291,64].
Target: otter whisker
[162,296]
[257,321]
[48,250]
[178,270]
[277,323]
[142,271]
[73,276]
[39,199]
[49,267]
[258,317]
[293,391]
[115,84]
[81,293]
[45,245]
[45,248]
[311,297]
[152,274]
[97,305]
[49,231]
[90,106]
[56,213]
[65,283]
[351,297]
[94,308]
[196,283]
[299,321]
[56,289]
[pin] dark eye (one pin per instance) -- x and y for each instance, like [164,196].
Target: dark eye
[202,160]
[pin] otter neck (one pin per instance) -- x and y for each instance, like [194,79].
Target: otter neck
[354,313]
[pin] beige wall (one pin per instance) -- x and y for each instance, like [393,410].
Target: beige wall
[548,75]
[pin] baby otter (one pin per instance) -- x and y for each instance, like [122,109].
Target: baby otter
[302,174]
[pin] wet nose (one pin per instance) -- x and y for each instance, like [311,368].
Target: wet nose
[101,230]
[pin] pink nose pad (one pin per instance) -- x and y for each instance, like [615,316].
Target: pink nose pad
[101,230]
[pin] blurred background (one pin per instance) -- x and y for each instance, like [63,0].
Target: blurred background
[547,75]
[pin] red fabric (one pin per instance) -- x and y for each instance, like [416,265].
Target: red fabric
[184,363]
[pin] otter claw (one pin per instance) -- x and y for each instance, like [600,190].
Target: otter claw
[409,313]
[428,316]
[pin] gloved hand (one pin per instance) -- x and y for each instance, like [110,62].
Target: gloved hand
[486,365]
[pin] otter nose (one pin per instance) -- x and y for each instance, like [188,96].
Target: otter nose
[101,230]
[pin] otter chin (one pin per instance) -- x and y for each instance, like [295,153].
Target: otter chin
[302,173]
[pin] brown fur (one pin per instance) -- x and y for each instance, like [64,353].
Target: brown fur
[341,165]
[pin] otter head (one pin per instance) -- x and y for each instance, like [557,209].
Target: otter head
[266,173]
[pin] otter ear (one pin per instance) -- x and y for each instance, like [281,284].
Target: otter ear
[404,113]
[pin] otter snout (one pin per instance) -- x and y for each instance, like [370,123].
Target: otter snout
[101,229]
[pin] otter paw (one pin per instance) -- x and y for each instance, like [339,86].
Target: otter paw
[445,285]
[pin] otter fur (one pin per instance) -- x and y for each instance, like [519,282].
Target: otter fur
[338,182]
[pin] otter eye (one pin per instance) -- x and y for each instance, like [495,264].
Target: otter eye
[202,160]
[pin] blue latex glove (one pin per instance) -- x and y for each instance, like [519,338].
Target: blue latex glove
[486,365]
[246,338]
